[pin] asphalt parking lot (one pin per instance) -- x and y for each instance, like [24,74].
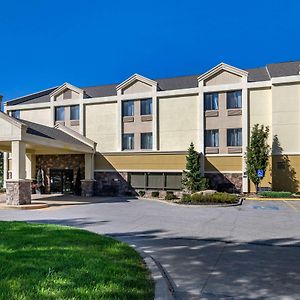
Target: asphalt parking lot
[250,251]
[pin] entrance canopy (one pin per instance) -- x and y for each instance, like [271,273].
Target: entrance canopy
[41,139]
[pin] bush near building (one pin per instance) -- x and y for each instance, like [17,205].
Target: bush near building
[217,198]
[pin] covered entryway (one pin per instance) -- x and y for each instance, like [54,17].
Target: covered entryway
[62,181]
[23,141]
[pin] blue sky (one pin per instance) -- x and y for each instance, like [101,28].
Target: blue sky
[46,43]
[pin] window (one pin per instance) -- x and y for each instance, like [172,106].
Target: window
[146,107]
[74,112]
[67,95]
[146,140]
[128,108]
[211,138]
[234,99]
[153,180]
[234,137]
[59,113]
[128,141]
[211,101]
[15,114]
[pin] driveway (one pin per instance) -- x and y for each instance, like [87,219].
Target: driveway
[244,252]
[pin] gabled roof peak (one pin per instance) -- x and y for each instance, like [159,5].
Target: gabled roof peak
[136,77]
[223,66]
[65,86]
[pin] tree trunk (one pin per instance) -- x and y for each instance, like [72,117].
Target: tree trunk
[257,187]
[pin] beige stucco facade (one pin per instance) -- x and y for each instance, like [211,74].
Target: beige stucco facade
[177,119]
[178,122]
[41,115]
[102,125]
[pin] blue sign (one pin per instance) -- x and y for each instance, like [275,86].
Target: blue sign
[260,173]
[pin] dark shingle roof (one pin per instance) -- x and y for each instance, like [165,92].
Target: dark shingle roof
[174,83]
[284,69]
[177,83]
[51,133]
[258,74]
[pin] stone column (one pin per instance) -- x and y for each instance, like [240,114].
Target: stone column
[88,184]
[18,189]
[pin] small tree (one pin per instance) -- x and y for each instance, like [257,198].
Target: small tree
[257,153]
[192,178]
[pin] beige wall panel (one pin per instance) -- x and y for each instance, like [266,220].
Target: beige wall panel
[41,116]
[223,164]
[285,115]
[260,109]
[101,125]
[137,87]
[288,178]
[140,162]
[178,122]
[223,77]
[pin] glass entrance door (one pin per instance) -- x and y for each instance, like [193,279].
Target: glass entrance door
[61,181]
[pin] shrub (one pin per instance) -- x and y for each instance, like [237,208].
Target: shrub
[142,193]
[213,198]
[2,190]
[155,194]
[185,198]
[170,196]
[272,194]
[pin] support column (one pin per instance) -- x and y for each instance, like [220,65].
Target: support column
[18,189]
[245,133]
[200,145]
[88,184]
[5,168]
[154,119]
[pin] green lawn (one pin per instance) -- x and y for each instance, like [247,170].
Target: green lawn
[56,262]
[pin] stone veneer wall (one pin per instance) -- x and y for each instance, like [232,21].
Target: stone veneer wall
[61,161]
[112,184]
[225,182]
[18,192]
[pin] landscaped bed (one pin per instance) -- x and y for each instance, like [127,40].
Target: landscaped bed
[57,262]
[216,198]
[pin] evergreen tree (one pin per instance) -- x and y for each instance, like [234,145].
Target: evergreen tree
[192,178]
[257,153]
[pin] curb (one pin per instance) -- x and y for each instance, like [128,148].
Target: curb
[25,206]
[240,202]
[164,286]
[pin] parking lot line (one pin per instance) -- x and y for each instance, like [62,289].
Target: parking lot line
[291,205]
